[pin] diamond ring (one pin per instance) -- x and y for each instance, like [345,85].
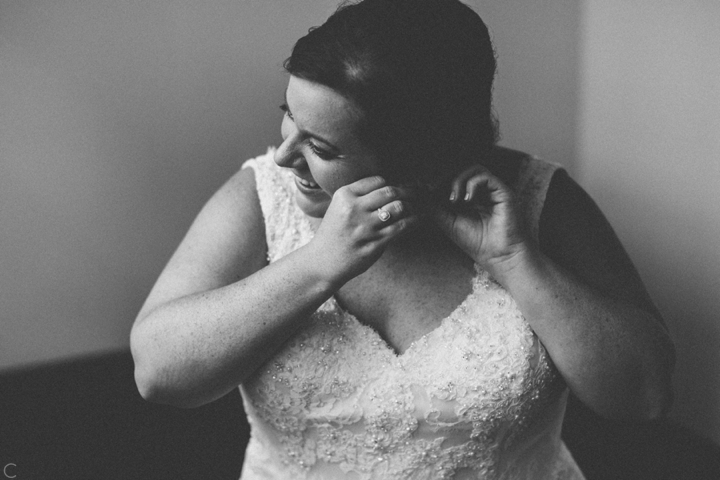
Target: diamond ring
[383,215]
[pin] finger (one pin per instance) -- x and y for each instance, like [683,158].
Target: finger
[477,188]
[365,185]
[486,188]
[459,184]
[396,209]
[386,194]
[402,226]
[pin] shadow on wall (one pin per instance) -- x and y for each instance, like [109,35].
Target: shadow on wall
[648,152]
[684,287]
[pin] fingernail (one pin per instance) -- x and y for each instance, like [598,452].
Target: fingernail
[452,196]
[467,196]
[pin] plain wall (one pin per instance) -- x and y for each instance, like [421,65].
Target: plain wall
[119,119]
[649,153]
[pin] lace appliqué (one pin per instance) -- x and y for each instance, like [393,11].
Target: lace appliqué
[285,229]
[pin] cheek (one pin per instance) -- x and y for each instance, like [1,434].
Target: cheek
[328,177]
[333,183]
[339,175]
[364,169]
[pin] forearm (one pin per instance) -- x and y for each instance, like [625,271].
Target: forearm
[194,349]
[616,357]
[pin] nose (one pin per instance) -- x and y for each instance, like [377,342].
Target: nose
[288,154]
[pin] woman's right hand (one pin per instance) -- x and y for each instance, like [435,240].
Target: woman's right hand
[353,234]
[218,312]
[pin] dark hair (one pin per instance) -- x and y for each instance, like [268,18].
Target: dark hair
[421,71]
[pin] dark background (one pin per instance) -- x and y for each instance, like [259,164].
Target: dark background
[84,419]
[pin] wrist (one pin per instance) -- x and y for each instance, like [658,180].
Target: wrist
[514,264]
[317,262]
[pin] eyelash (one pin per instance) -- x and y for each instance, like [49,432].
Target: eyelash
[286,109]
[320,153]
[313,148]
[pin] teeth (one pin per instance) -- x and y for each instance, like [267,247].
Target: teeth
[307,183]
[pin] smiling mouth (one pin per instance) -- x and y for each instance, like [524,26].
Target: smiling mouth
[306,184]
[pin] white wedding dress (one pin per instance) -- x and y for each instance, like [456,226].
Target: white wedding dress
[476,398]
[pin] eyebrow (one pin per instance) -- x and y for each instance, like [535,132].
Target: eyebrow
[314,135]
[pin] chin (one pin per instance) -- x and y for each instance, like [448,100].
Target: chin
[312,207]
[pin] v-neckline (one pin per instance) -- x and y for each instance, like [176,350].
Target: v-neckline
[477,270]
[461,307]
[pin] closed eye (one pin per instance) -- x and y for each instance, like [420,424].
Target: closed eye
[323,154]
[316,150]
[284,107]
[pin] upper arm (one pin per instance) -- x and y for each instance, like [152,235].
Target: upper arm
[225,243]
[575,234]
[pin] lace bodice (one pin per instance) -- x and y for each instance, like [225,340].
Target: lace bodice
[476,398]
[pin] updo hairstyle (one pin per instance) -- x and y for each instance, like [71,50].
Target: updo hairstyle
[420,71]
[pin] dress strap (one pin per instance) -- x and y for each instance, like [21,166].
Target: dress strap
[285,226]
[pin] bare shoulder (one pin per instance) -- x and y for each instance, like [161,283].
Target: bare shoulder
[230,233]
[225,243]
[575,234]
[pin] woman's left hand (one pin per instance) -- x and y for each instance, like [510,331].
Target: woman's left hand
[581,296]
[482,219]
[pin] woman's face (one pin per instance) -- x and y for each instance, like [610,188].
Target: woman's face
[321,144]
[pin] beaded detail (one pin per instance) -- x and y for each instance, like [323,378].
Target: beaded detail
[478,397]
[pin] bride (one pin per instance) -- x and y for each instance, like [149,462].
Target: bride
[396,295]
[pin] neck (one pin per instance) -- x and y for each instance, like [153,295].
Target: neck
[426,243]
